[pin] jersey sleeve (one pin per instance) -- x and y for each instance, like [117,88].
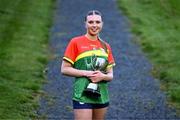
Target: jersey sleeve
[71,52]
[110,57]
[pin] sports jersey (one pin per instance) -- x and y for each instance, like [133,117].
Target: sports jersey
[79,53]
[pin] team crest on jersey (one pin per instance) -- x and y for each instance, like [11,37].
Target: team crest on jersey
[84,47]
[94,48]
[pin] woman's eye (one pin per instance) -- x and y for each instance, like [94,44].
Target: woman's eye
[98,22]
[90,22]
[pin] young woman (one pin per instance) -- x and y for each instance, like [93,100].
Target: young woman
[78,60]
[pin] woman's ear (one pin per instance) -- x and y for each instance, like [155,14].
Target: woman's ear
[102,23]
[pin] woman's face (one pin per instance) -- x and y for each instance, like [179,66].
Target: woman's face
[94,24]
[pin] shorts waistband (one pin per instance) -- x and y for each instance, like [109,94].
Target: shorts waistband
[81,105]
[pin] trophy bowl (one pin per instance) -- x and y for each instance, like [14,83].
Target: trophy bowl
[97,63]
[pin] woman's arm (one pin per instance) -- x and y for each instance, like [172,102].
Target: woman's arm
[94,76]
[67,69]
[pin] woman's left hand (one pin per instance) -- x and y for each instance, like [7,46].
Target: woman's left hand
[97,76]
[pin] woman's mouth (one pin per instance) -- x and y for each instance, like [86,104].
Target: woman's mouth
[94,30]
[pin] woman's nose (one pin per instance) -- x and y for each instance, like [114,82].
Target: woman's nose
[94,24]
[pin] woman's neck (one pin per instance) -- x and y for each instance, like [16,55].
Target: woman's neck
[91,37]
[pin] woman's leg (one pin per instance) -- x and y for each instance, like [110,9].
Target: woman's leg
[83,114]
[99,114]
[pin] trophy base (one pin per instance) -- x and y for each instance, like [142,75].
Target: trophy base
[92,93]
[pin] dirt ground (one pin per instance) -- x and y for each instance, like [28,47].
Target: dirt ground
[134,93]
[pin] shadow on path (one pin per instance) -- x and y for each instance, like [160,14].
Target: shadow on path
[134,93]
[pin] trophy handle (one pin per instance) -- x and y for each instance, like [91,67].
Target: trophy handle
[88,65]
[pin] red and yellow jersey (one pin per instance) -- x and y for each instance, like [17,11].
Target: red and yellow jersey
[80,47]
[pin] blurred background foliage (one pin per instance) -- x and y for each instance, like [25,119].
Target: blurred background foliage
[24,26]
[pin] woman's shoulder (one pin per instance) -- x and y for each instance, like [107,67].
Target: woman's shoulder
[77,38]
[105,42]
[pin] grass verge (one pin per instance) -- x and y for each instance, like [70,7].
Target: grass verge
[156,24]
[23,55]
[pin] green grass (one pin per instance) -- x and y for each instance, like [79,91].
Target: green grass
[156,23]
[24,29]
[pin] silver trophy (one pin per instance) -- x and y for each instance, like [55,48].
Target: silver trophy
[97,63]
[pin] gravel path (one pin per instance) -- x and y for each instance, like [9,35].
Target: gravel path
[135,94]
